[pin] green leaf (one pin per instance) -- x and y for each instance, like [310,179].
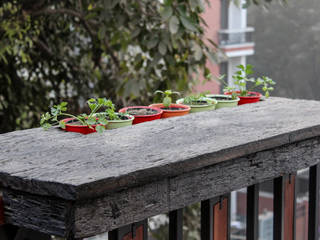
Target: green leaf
[91,120]
[193,4]
[63,104]
[162,48]
[152,43]
[100,128]
[62,124]
[166,13]
[167,101]
[103,121]
[46,126]
[187,23]
[174,24]
[197,51]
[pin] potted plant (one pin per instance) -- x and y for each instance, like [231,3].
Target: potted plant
[169,109]
[224,100]
[198,103]
[142,113]
[116,120]
[241,78]
[83,123]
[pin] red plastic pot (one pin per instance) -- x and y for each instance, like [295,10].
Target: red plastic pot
[255,97]
[78,128]
[143,118]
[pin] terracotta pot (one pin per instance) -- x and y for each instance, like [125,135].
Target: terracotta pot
[172,112]
[255,97]
[201,108]
[224,100]
[143,118]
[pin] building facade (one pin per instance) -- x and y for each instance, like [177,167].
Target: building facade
[227,26]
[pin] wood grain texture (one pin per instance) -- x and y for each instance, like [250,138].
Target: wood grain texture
[74,166]
[135,204]
[43,214]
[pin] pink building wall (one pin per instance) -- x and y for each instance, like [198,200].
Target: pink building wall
[212,16]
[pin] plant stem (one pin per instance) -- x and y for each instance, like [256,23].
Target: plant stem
[70,115]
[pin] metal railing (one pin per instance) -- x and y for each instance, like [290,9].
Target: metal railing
[235,36]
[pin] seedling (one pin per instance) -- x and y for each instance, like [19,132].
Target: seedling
[198,99]
[241,78]
[167,100]
[94,118]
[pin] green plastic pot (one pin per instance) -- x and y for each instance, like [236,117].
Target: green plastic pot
[113,124]
[227,102]
[200,108]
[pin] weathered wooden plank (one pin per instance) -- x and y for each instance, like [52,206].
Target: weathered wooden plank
[225,177]
[73,166]
[43,214]
[120,208]
[135,204]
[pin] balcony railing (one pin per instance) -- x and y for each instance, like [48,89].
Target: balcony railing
[75,186]
[235,36]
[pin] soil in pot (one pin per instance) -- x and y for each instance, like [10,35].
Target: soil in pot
[174,110]
[141,111]
[201,105]
[199,102]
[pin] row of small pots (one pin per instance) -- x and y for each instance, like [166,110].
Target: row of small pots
[140,114]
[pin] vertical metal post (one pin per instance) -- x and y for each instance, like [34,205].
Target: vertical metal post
[278,208]
[314,202]
[215,218]
[253,212]
[175,224]
[134,231]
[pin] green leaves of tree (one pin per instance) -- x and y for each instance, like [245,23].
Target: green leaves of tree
[166,13]
[174,24]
